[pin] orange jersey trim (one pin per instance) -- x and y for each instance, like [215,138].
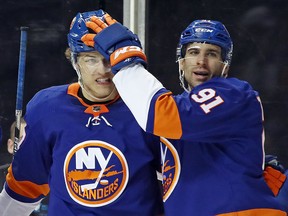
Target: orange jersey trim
[256,212]
[167,121]
[73,90]
[26,188]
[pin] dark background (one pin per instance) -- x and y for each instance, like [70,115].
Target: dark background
[258,28]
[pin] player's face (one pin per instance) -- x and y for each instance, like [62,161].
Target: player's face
[96,76]
[201,63]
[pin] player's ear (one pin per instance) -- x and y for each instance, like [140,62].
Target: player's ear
[225,70]
[225,74]
[76,66]
[181,64]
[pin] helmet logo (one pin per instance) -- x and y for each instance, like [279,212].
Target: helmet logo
[203,30]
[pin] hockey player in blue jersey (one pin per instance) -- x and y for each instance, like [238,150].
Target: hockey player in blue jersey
[84,146]
[212,145]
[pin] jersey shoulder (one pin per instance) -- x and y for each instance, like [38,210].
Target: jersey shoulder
[48,96]
[228,88]
[45,102]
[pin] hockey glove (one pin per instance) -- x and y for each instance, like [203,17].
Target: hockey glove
[274,174]
[115,42]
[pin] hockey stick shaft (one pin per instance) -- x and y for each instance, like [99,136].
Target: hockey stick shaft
[20,86]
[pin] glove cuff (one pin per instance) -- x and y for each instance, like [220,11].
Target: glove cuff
[126,52]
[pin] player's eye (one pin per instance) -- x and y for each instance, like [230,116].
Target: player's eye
[91,60]
[211,54]
[193,52]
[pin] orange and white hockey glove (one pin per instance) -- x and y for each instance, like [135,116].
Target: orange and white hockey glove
[115,42]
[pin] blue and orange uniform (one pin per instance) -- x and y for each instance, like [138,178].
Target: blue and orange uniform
[212,146]
[93,159]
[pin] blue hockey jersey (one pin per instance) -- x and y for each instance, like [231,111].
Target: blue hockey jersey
[212,153]
[94,159]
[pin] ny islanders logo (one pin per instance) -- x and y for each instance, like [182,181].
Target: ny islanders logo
[95,172]
[170,167]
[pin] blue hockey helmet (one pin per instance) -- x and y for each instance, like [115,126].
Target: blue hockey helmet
[208,31]
[78,29]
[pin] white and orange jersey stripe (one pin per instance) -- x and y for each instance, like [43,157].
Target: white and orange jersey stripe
[146,86]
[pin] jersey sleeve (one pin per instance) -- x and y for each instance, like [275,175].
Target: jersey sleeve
[27,178]
[193,116]
[18,208]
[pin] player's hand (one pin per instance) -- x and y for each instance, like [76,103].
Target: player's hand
[115,42]
[274,174]
[97,25]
